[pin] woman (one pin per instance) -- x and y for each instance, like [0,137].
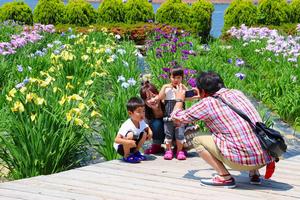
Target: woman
[154,117]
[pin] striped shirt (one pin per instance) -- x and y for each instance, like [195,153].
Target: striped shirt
[232,134]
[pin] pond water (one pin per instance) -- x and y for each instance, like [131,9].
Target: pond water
[217,17]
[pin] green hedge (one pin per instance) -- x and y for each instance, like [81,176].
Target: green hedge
[111,11]
[49,12]
[273,12]
[173,11]
[240,12]
[17,11]
[138,11]
[201,13]
[295,11]
[79,12]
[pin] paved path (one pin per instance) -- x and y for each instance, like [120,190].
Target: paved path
[154,179]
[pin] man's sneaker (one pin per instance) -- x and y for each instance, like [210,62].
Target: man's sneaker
[255,179]
[217,181]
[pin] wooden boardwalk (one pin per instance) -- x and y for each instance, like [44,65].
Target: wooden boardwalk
[154,179]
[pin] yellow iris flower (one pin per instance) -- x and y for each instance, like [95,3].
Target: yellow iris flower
[18,107]
[89,82]
[12,92]
[78,122]
[33,116]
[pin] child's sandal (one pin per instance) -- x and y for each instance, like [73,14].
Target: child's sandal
[180,155]
[168,155]
[139,156]
[131,159]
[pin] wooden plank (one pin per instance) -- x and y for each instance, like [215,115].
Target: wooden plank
[81,190]
[270,186]
[154,179]
[189,185]
[203,172]
[16,194]
[125,183]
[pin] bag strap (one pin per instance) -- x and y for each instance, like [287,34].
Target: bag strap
[240,113]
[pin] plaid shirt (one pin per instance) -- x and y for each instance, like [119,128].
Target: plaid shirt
[231,133]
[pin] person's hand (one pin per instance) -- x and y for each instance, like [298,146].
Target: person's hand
[197,96]
[180,92]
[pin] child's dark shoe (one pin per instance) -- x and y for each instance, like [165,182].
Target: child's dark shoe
[131,159]
[139,156]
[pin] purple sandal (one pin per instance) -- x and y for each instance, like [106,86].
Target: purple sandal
[139,156]
[131,159]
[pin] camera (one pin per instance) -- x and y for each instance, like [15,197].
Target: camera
[190,93]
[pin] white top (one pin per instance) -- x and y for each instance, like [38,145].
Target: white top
[170,93]
[128,126]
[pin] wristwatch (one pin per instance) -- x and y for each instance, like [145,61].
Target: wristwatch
[178,100]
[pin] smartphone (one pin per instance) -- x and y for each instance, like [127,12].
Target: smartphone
[190,93]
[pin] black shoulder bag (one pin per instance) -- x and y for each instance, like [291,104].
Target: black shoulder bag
[270,139]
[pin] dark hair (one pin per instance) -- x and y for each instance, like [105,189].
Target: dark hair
[149,87]
[134,103]
[176,71]
[210,82]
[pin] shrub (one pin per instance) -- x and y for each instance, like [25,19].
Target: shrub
[17,11]
[49,11]
[173,11]
[295,11]
[111,11]
[79,12]
[240,12]
[138,11]
[273,12]
[201,14]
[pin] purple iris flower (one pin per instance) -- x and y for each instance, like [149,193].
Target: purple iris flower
[175,40]
[158,53]
[157,38]
[26,80]
[181,44]
[192,71]
[164,76]
[192,82]
[184,57]
[186,71]
[241,76]
[20,68]
[173,48]
[56,52]
[173,63]
[166,69]
[206,47]
[164,44]
[185,52]
[229,60]
[239,62]
[20,85]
